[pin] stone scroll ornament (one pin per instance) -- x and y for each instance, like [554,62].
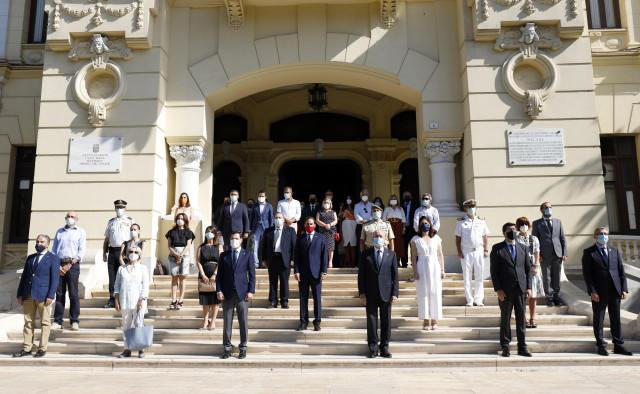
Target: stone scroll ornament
[101,83]
[97,8]
[528,39]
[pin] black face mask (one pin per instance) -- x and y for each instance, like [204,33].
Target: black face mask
[312,200]
[511,235]
[249,206]
[407,198]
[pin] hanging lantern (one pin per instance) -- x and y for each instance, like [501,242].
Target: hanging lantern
[317,97]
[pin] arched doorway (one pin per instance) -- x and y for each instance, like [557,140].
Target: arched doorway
[409,181]
[227,176]
[343,177]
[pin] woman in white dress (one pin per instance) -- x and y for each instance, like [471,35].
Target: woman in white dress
[348,232]
[131,291]
[428,270]
[532,244]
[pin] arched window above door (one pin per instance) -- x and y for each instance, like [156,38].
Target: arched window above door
[229,127]
[329,127]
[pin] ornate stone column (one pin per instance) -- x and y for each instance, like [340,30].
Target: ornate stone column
[443,177]
[188,159]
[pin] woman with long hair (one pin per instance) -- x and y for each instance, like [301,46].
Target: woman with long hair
[179,239]
[428,270]
[207,259]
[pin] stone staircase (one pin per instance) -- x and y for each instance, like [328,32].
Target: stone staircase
[464,332]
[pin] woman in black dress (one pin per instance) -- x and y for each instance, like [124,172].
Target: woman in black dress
[207,259]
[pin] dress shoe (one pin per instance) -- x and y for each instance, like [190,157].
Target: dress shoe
[284,305]
[622,350]
[301,327]
[316,327]
[272,305]
[550,303]
[107,306]
[602,350]
[40,353]
[524,352]
[557,303]
[385,354]
[141,354]
[506,352]
[412,279]
[56,326]
[243,354]
[22,353]
[125,354]
[372,354]
[225,355]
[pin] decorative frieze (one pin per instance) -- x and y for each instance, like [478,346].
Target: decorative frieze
[235,14]
[388,12]
[100,49]
[506,3]
[528,39]
[97,9]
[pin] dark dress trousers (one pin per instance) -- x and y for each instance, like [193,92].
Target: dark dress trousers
[606,277]
[378,285]
[234,283]
[553,246]
[514,278]
[409,232]
[310,261]
[278,263]
[229,222]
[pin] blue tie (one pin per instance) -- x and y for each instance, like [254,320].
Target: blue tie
[36,261]
[234,259]
[513,250]
[605,254]
[379,258]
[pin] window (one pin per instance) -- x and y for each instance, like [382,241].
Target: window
[603,14]
[330,127]
[37,22]
[20,204]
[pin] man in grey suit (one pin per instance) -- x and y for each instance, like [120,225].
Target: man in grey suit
[553,251]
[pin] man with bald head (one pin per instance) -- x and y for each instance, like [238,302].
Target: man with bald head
[69,245]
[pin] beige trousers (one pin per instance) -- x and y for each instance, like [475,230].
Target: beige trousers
[29,307]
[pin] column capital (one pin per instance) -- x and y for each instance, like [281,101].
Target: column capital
[441,151]
[188,155]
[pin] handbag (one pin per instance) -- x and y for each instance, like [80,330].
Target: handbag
[206,288]
[336,233]
[139,338]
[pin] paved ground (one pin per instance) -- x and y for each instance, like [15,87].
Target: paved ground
[49,380]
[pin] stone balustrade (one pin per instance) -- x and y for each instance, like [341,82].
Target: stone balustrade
[628,246]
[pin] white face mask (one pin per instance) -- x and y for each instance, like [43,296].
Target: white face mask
[180,222]
[233,198]
[377,215]
[365,198]
[119,211]
[393,202]
[70,222]
[279,222]
[261,199]
[349,201]
[234,243]
[133,257]
[326,206]
[524,229]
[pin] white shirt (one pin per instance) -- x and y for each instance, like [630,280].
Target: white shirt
[397,213]
[363,212]
[431,212]
[262,204]
[132,284]
[118,230]
[310,236]
[275,232]
[290,209]
[471,232]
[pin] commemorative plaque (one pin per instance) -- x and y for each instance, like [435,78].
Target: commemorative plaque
[102,154]
[535,147]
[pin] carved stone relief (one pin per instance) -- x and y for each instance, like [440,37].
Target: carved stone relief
[97,9]
[235,13]
[388,12]
[484,9]
[188,155]
[441,151]
[608,41]
[529,60]
[101,83]
[506,3]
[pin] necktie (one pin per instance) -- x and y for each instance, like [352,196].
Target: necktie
[549,225]
[309,239]
[379,258]
[605,255]
[36,261]
[234,259]
[513,251]
[233,208]
[276,238]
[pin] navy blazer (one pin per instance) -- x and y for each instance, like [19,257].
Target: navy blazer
[243,278]
[310,259]
[599,275]
[506,273]
[287,245]
[307,211]
[42,283]
[265,219]
[239,221]
[373,281]
[551,244]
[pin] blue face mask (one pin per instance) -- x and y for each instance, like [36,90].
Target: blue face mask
[233,198]
[424,227]
[209,235]
[119,212]
[548,212]
[377,215]
[471,211]
[40,248]
[603,239]
[70,222]
[287,196]
[426,202]
[133,234]
[379,242]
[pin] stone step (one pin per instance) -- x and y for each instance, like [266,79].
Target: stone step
[281,321]
[319,347]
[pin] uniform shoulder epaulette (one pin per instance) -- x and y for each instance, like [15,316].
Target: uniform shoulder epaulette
[461,218]
[481,218]
[129,217]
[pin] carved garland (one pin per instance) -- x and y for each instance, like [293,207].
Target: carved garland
[528,7]
[574,8]
[506,3]
[484,9]
[97,10]
[235,14]
[388,12]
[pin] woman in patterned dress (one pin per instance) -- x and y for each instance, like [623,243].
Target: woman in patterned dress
[532,245]
[327,220]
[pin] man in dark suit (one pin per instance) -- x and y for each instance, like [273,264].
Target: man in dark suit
[310,268]
[37,288]
[236,284]
[278,245]
[233,218]
[511,276]
[553,251]
[378,288]
[262,219]
[603,273]
[312,208]
[409,208]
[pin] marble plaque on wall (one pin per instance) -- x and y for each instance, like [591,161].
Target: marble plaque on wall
[102,154]
[535,147]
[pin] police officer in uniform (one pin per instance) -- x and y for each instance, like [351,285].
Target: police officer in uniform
[117,232]
[473,247]
[370,227]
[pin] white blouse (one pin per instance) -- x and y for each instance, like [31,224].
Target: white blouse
[132,283]
[397,213]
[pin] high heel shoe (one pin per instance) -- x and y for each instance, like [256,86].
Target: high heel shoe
[173,305]
[179,306]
